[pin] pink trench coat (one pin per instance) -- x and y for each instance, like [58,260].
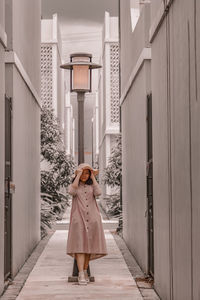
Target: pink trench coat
[86,234]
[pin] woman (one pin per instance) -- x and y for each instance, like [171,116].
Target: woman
[86,239]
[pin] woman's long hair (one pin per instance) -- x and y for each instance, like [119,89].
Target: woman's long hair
[89,181]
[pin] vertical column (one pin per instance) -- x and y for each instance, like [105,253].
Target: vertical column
[54,79]
[73,138]
[97,124]
[54,66]
[67,123]
[107,25]
[107,150]
[107,84]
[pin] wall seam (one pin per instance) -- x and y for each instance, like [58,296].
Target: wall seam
[190,158]
[195,48]
[169,154]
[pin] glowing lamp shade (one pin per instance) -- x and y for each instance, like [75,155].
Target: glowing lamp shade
[81,78]
[80,67]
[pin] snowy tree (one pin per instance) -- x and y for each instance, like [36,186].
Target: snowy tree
[112,176]
[59,168]
[113,172]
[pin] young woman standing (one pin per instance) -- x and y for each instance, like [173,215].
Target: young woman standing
[86,239]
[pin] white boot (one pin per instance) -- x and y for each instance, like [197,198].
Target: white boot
[81,278]
[86,276]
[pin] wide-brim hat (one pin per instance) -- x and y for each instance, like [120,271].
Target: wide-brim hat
[85,166]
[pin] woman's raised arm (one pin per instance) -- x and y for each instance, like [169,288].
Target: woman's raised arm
[96,188]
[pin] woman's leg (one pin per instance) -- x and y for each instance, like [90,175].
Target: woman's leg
[86,263]
[80,258]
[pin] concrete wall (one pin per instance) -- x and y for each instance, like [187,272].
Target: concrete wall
[134,131]
[2,142]
[176,145]
[23,85]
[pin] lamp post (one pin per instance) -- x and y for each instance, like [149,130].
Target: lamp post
[80,67]
[92,142]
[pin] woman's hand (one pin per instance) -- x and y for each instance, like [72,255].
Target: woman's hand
[93,177]
[79,171]
[78,175]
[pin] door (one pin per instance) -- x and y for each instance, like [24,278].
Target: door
[8,195]
[150,186]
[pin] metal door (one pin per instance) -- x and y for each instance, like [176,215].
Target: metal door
[150,186]
[8,195]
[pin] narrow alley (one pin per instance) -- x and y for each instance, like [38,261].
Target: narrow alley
[99,149]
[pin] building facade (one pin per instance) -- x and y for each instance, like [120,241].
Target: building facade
[159,61]
[20,134]
[108,93]
[52,76]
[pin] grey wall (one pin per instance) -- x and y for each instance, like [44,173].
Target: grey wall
[2,146]
[23,29]
[60,92]
[176,145]
[134,133]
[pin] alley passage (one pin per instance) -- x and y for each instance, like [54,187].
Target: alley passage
[49,277]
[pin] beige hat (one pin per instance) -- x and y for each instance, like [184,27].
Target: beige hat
[86,166]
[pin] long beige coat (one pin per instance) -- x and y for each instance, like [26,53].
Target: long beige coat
[86,233]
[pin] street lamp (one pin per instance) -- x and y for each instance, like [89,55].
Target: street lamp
[80,67]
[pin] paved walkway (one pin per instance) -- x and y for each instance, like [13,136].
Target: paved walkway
[49,277]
